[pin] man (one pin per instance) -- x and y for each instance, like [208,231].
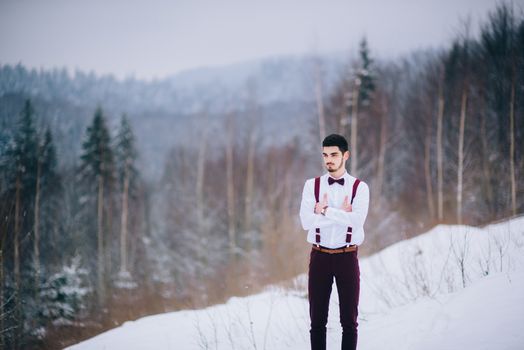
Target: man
[333,211]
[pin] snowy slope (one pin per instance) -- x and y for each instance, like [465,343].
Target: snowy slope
[413,297]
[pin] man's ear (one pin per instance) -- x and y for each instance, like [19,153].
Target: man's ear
[347,154]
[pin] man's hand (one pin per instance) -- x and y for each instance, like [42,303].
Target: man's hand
[320,206]
[346,206]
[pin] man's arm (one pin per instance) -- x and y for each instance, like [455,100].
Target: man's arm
[308,218]
[357,216]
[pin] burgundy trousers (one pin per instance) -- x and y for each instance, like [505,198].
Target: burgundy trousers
[323,267]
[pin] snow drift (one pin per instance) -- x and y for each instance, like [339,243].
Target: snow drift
[454,287]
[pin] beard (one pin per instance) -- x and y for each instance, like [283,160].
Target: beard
[332,168]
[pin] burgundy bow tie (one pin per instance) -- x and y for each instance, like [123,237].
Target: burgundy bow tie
[331,181]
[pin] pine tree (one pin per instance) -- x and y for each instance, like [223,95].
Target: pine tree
[97,175]
[20,168]
[126,156]
[52,190]
[363,89]
[47,186]
[365,74]
[63,296]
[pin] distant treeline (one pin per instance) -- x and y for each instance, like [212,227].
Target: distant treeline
[88,242]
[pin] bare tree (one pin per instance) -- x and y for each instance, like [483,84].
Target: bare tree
[462,125]
[460,168]
[460,252]
[486,153]
[250,175]
[512,143]
[230,185]
[201,170]
[427,170]
[354,126]
[381,160]
[440,117]
[319,98]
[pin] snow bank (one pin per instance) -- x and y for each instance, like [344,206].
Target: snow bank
[443,260]
[412,297]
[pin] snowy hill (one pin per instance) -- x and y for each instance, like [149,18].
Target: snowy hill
[454,287]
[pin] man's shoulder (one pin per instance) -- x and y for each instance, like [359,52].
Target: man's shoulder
[361,183]
[312,180]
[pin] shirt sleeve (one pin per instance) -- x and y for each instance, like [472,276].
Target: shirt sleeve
[308,218]
[357,216]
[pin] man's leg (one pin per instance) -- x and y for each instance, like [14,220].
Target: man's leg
[347,276]
[319,288]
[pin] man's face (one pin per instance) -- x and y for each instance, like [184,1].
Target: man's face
[333,158]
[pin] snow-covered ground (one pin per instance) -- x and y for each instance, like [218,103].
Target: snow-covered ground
[454,287]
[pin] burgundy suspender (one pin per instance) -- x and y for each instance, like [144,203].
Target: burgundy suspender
[317,189]
[317,198]
[355,186]
[350,229]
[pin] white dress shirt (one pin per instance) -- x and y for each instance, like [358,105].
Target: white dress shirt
[333,226]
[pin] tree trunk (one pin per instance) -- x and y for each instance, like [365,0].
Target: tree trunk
[512,148]
[354,129]
[37,231]
[100,240]
[3,238]
[320,101]
[382,150]
[201,170]
[123,223]
[460,167]
[249,187]
[16,247]
[440,117]
[230,189]
[486,164]
[2,286]
[107,205]
[427,172]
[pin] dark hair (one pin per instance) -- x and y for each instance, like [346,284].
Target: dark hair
[336,140]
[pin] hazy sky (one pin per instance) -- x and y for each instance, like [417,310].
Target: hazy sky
[155,38]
